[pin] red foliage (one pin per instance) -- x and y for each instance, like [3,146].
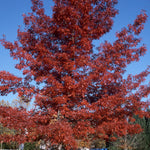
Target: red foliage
[79,94]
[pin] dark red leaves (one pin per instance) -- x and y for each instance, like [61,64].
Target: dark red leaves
[79,95]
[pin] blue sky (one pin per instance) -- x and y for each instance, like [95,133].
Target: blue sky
[11,17]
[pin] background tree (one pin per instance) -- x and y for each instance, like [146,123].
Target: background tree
[20,102]
[72,79]
[13,122]
[4,103]
[129,142]
[145,124]
[138,141]
[4,131]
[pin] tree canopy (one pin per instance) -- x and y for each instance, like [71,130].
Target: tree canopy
[80,93]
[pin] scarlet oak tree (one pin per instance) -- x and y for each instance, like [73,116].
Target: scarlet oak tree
[80,93]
